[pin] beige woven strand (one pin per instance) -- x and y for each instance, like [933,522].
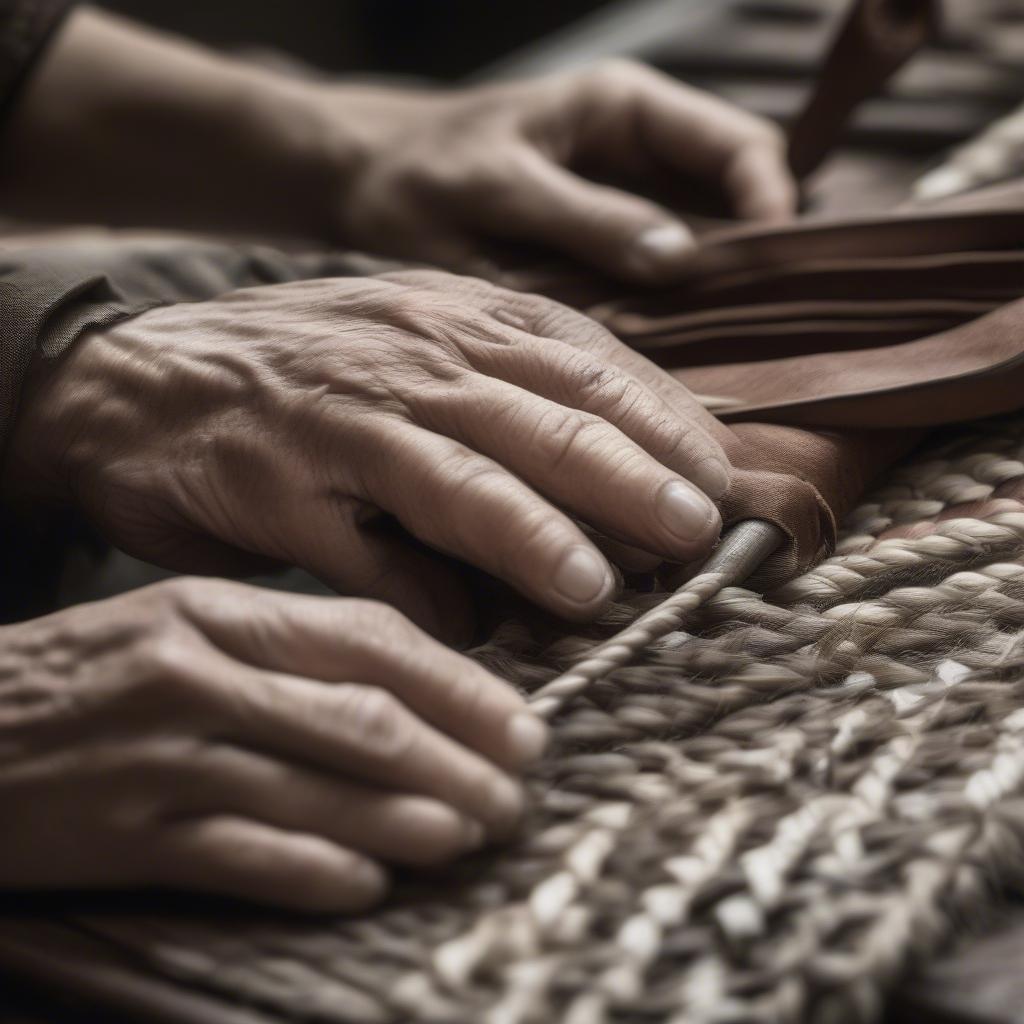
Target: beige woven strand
[743,548]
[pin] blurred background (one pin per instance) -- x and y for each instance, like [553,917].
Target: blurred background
[761,54]
[443,39]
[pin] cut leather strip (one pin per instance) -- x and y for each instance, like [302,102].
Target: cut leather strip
[654,332]
[974,370]
[904,234]
[877,38]
[766,342]
[967,276]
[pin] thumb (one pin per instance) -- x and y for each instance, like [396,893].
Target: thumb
[626,236]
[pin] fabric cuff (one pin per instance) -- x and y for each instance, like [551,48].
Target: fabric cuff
[52,294]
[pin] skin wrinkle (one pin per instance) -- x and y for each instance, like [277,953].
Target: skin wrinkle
[276,420]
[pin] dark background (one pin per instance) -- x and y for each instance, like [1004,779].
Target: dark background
[442,39]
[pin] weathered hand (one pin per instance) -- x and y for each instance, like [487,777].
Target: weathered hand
[437,176]
[282,421]
[433,175]
[208,735]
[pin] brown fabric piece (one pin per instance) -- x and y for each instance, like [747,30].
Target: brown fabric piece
[805,482]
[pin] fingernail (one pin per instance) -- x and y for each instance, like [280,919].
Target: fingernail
[368,876]
[582,575]
[664,244]
[528,737]
[684,511]
[712,478]
[474,834]
[941,183]
[507,802]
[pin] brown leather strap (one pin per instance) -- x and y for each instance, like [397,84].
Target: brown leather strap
[974,370]
[875,41]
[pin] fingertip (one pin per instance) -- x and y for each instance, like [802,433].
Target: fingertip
[440,832]
[583,581]
[942,183]
[763,185]
[688,516]
[527,737]
[506,806]
[661,250]
[772,206]
[359,885]
[712,476]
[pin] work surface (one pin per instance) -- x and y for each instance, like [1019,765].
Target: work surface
[927,594]
[776,812]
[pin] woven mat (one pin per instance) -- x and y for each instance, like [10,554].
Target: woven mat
[768,821]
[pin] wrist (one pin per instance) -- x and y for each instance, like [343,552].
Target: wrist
[50,435]
[164,133]
[313,142]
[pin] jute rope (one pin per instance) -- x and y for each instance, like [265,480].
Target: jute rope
[741,551]
[765,814]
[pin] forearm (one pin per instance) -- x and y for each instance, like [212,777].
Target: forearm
[124,125]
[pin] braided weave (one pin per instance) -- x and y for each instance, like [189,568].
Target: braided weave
[744,547]
[625,646]
[769,816]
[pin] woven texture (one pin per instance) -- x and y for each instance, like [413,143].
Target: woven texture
[768,817]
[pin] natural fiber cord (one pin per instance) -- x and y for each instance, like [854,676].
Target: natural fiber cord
[744,548]
[767,817]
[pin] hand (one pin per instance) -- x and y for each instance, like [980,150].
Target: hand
[283,421]
[434,176]
[212,736]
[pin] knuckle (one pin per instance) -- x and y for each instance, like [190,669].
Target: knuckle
[417,277]
[669,435]
[377,720]
[163,654]
[178,592]
[165,670]
[376,621]
[465,692]
[165,757]
[563,435]
[753,138]
[468,475]
[539,533]
[591,379]
[438,851]
[245,856]
[616,72]
[768,134]
[577,331]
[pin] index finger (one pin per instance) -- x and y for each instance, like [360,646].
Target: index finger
[697,132]
[654,397]
[342,640]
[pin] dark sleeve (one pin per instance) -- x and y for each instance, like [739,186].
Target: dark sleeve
[25,28]
[51,294]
